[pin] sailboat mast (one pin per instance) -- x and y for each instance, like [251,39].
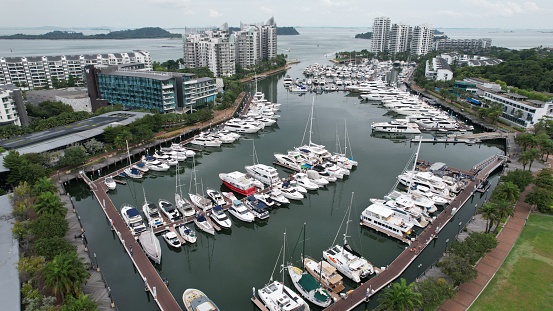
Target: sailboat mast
[311,120]
[128,153]
[345,138]
[303,251]
[349,219]
[283,260]
[414,167]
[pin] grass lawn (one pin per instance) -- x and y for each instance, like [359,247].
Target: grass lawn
[525,280]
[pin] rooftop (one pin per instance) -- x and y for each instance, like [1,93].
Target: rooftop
[154,75]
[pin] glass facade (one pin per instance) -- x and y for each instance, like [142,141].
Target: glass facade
[137,92]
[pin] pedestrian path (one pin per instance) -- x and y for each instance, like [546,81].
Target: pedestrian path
[488,266]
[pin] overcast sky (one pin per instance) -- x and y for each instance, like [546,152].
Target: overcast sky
[536,14]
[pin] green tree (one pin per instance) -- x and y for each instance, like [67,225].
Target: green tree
[400,296]
[31,268]
[533,155]
[541,198]
[93,146]
[521,178]
[525,159]
[22,201]
[32,300]
[507,191]
[434,292]
[44,184]
[72,156]
[525,140]
[49,226]
[544,179]
[65,274]
[80,303]
[51,247]
[48,203]
[488,210]
[458,268]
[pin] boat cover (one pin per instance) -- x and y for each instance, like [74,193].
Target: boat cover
[308,282]
[218,208]
[132,212]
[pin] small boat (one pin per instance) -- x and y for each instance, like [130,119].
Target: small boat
[238,210]
[195,300]
[218,215]
[309,287]
[170,161]
[152,214]
[172,239]
[150,245]
[140,166]
[110,183]
[187,234]
[168,209]
[206,141]
[132,172]
[290,192]
[302,180]
[132,218]
[203,224]
[325,273]
[277,196]
[200,201]
[215,196]
[155,164]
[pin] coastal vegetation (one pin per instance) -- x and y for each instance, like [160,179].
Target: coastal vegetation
[281,31]
[365,54]
[400,296]
[365,35]
[521,282]
[140,33]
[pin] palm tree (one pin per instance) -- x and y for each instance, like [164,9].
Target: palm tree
[488,210]
[49,203]
[43,184]
[524,159]
[525,140]
[401,297]
[65,274]
[507,191]
[534,154]
[504,208]
[79,303]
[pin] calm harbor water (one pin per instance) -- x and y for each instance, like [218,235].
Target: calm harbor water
[227,266]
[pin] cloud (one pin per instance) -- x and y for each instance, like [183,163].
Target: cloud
[170,3]
[213,13]
[333,3]
[267,10]
[506,9]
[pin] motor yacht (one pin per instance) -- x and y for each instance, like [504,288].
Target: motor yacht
[276,195]
[324,273]
[220,217]
[257,208]
[240,127]
[396,126]
[110,183]
[215,196]
[203,224]
[155,164]
[206,141]
[187,234]
[238,182]
[153,217]
[132,218]
[264,173]
[238,210]
[287,161]
[384,219]
[172,239]
[290,192]
[196,300]
[304,181]
[168,209]
[132,173]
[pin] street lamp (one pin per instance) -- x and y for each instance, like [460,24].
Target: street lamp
[96,260]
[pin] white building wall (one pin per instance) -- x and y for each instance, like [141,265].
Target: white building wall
[381,32]
[8,110]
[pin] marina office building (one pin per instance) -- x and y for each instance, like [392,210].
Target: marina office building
[518,109]
[35,72]
[438,69]
[134,87]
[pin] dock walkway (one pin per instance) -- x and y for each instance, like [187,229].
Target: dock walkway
[149,274]
[402,262]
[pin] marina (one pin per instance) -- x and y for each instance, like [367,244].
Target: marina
[205,264]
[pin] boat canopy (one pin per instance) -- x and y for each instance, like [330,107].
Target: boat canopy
[308,282]
[218,208]
[132,212]
[201,218]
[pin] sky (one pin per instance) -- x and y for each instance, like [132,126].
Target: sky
[129,14]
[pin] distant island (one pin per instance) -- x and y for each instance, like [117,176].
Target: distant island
[366,35]
[141,33]
[437,32]
[281,31]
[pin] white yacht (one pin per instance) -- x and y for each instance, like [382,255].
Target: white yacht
[309,287]
[206,141]
[290,192]
[259,209]
[220,217]
[396,126]
[384,219]
[151,212]
[215,196]
[196,300]
[155,164]
[238,182]
[133,173]
[304,181]
[172,239]
[110,183]
[200,201]
[168,209]
[240,127]
[276,195]
[238,210]
[434,183]
[132,218]
[264,173]
[287,81]
[203,224]
[287,161]
[187,234]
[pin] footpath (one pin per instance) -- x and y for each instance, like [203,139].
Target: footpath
[488,266]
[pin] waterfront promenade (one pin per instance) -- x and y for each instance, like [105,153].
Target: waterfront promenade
[402,262]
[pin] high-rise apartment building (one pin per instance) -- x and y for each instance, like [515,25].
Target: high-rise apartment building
[210,48]
[39,71]
[399,38]
[255,42]
[381,33]
[12,108]
[421,38]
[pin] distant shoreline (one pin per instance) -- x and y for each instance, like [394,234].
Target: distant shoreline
[142,33]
